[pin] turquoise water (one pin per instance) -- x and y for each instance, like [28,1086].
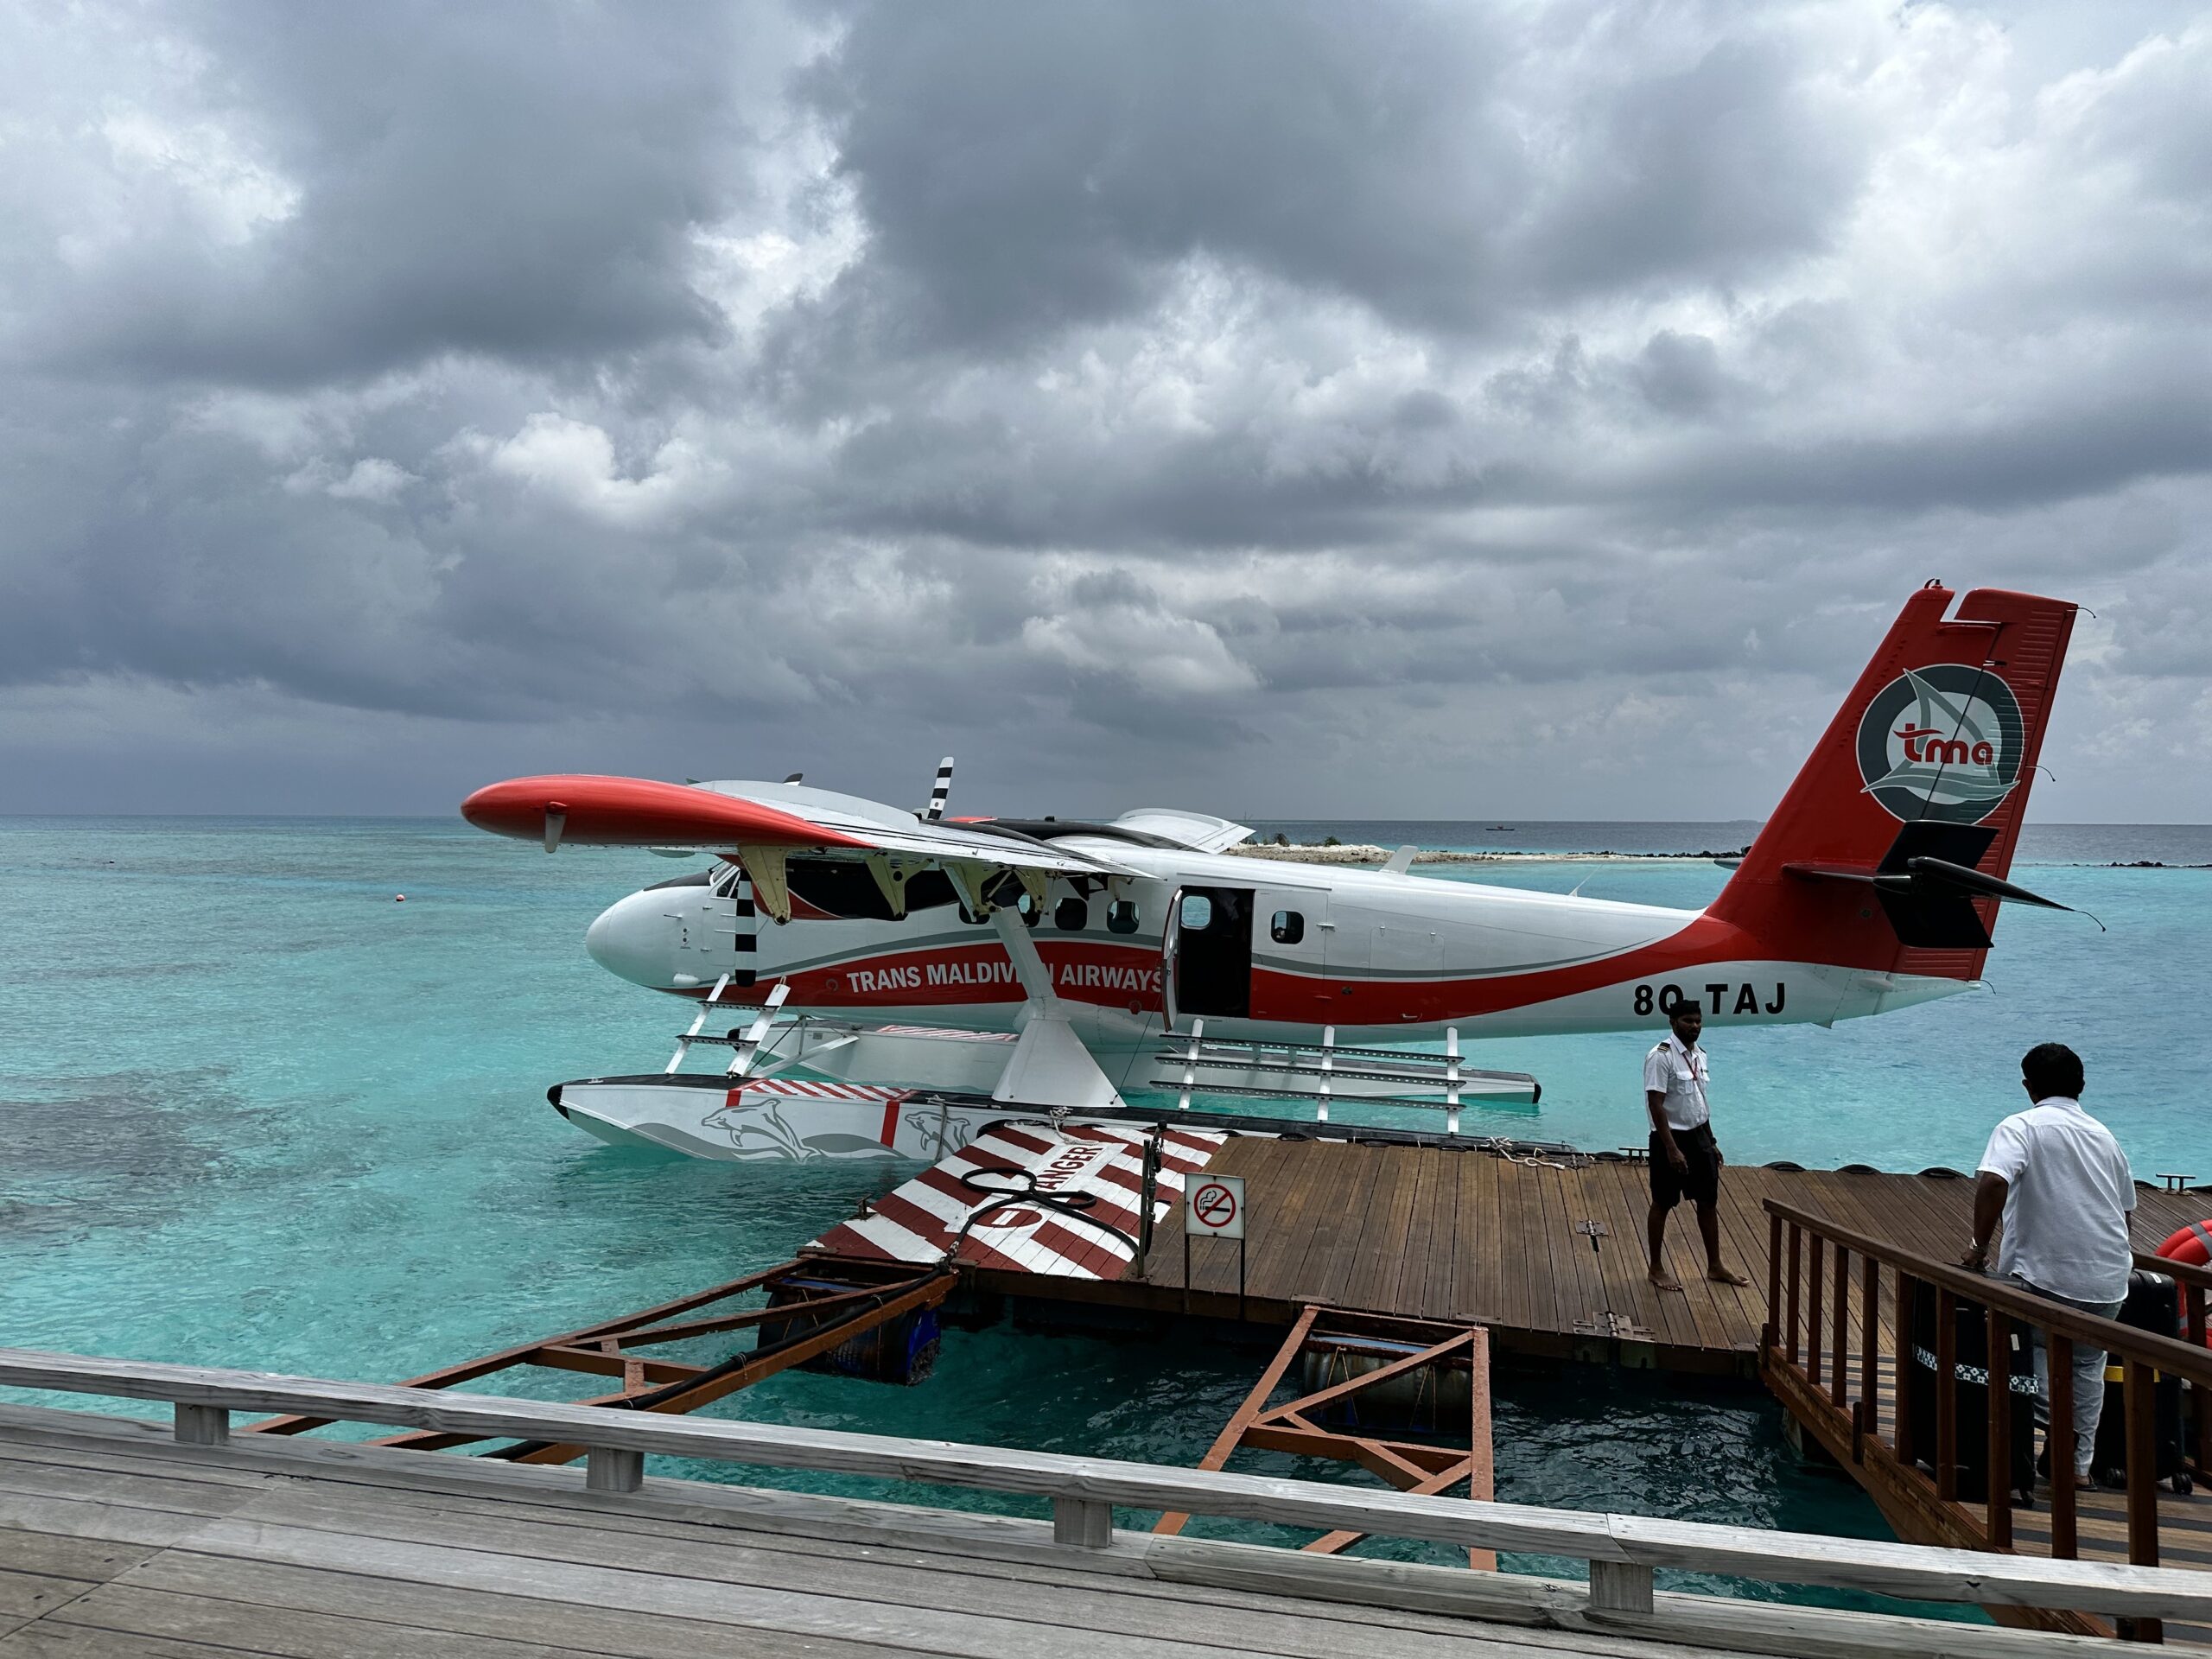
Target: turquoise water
[254,1112]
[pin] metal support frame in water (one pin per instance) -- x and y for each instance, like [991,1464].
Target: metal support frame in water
[1330,1343]
[807,1317]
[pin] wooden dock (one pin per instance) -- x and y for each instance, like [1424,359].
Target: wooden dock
[120,1539]
[117,1539]
[1545,1249]
[1546,1252]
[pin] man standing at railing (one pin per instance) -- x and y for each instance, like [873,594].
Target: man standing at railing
[2063,1187]
[1685,1158]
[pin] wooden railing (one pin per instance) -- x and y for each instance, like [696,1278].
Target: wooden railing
[1825,1281]
[1622,1550]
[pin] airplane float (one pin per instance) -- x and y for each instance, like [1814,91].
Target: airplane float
[903,981]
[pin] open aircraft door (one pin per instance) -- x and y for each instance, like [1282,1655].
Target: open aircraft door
[1206,955]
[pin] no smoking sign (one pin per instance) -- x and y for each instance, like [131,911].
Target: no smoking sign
[1215,1209]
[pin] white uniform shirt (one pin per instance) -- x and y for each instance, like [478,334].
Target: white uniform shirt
[1679,1074]
[2066,1210]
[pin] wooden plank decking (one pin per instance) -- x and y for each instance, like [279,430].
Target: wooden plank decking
[117,1543]
[1427,1233]
[136,1550]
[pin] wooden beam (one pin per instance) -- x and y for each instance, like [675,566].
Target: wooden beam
[2137,1385]
[561,1357]
[1302,1440]
[1382,1373]
[2000,1481]
[1331,1543]
[1906,1292]
[923,1293]
[1481,1454]
[468,1370]
[1853,1563]
[1841,1333]
[1217,1454]
[2167,1353]
[1946,1396]
[2059,1436]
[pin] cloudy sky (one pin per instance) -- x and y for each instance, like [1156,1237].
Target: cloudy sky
[1453,411]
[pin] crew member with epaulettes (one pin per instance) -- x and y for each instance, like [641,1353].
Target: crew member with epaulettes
[1685,1158]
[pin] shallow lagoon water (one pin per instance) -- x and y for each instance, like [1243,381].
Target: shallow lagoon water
[254,1112]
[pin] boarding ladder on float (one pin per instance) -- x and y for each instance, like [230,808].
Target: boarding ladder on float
[1327,1071]
[746,1045]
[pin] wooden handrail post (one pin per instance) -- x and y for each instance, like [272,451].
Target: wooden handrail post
[1907,1292]
[610,1469]
[1619,1587]
[1796,1235]
[1077,1520]
[1840,1332]
[2200,1396]
[2138,1394]
[1815,1285]
[202,1425]
[1947,1395]
[2137,1397]
[2000,1431]
[1870,1337]
[1770,1333]
[2058,1440]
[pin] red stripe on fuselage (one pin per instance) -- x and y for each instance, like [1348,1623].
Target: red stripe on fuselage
[979,974]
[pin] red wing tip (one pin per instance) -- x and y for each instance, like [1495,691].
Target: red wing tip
[609,811]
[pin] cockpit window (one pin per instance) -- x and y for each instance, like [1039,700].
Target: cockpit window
[688,879]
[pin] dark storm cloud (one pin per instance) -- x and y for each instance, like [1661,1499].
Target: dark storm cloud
[1023,169]
[509,180]
[1296,407]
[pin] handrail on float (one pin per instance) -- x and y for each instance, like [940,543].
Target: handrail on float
[1622,1550]
[2170,1354]
[1804,1295]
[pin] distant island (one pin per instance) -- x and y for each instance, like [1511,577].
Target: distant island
[1333,851]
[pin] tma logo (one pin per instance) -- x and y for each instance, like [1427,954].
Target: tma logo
[1941,743]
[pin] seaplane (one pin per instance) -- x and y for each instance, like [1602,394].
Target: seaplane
[892,982]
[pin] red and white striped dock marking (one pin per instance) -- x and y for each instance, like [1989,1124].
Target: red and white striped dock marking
[918,1220]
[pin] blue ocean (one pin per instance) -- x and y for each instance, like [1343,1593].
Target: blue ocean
[255,1112]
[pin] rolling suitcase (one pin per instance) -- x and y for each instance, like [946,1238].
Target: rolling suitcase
[1970,1365]
[2151,1306]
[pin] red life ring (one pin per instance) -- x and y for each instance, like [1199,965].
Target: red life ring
[2191,1244]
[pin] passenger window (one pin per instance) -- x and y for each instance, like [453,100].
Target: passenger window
[1122,916]
[1071,914]
[1288,927]
[1197,912]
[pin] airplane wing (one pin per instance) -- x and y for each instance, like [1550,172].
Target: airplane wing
[1197,830]
[761,824]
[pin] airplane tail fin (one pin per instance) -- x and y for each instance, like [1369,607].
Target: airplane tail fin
[1889,851]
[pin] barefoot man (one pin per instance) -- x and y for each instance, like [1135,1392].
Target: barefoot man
[1685,1158]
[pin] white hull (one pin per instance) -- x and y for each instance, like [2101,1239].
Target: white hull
[776,1121]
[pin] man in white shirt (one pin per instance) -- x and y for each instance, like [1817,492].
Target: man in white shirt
[1685,1158]
[2063,1188]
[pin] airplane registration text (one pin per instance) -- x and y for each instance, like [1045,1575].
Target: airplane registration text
[1723,996]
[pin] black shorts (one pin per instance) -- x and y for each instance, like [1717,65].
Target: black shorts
[1699,1182]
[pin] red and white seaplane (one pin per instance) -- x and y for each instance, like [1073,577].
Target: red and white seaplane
[919,977]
